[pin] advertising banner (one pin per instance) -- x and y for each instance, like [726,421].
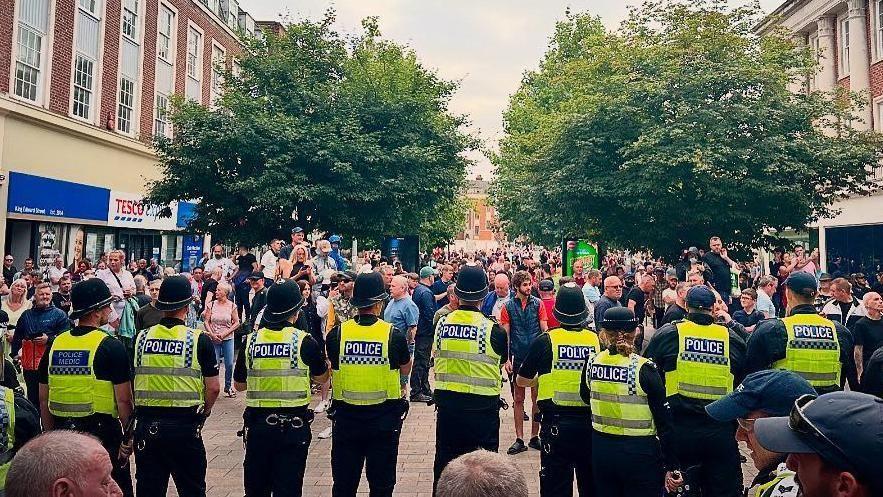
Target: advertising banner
[31,195]
[127,210]
[580,250]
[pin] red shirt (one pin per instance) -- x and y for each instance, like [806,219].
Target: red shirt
[543,315]
[549,306]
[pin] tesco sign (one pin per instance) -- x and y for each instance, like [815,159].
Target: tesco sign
[127,210]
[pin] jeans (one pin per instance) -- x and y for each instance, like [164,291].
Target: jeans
[403,378]
[226,348]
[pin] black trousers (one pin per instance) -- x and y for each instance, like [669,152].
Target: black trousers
[566,451]
[354,445]
[109,431]
[169,447]
[32,382]
[243,306]
[709,456]
[275,460]
[627,466]
[460,432]
[420,371]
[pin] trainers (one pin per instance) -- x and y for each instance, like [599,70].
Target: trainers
[421,398]
[517,447]
[321,406]
[326,433]
[535,443]
[526,417]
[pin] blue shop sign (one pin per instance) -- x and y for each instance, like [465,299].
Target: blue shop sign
[192,252]
[37,196]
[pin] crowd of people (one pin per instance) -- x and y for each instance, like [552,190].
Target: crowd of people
[636,378]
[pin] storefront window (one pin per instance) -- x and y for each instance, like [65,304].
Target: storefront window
[854,249]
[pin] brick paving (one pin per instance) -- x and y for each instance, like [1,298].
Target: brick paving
[416,452]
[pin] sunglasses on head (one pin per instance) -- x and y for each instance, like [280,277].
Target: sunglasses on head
[799,423]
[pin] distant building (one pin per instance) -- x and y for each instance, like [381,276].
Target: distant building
[482,225]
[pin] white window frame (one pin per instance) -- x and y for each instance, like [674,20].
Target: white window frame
[216,85]
[193,69]
[96,10]
[170,50]
[44,67]
[135,108]
[877,104]
[162,117]
[842,47]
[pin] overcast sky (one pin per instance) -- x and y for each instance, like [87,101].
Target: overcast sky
[487,44]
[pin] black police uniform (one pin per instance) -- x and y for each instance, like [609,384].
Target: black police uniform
[466,422]
[768,343]
[366,436]
[565,431]
[168,440]
[706,449]
[872,377]
[627,466]
[276,449]
[111,364]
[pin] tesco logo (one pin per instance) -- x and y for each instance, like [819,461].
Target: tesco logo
[130,207]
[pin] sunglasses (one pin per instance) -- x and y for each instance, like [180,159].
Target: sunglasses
[799,423]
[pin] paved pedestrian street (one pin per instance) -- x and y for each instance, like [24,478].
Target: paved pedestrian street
[225,453]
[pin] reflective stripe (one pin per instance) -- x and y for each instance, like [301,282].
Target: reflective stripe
[150,395]
[466,380]
[270,395]
[689,387]
[818,376]
[466,356]
[189,372]
[264,373]
[58,406]
[566,397]
[363,395]
[619,399]
[622,423]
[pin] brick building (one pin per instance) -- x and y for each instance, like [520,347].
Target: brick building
[482,225]
[84,87]
[848,38]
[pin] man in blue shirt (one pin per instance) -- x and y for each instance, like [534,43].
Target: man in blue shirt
[425,301]
[402,313]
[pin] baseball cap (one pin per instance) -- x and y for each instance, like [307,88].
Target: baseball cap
[843,428]
[772,391]
[802,282]
[297,229]
[255,276]
[347,275]
[426,272]
[547,285]
[693,250]
[701,297]
[825,277]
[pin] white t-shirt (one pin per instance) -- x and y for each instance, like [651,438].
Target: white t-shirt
[125,278]
[55,274]
[765,304]
[269,261]
[226,265]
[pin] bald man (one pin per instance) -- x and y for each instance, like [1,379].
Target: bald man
[868,332]
[494,302]
[403,314]
[61,462]
[610,298]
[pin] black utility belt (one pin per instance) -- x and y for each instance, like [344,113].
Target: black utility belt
[280,420]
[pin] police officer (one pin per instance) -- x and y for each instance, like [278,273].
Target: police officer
[176,385]
[632,447]
[367,356]
[701,362]
[19,419]
[274,369]
[84,379]
[806,343]
[558,358]
[763,394]
[469,350]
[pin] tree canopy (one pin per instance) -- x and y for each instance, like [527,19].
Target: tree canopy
[680,125]
[348,135]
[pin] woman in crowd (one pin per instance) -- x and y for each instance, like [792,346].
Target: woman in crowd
[221,321]
[312,320]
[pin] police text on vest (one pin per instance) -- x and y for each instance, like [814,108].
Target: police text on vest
[603,372]
[271,350]
[813,332]
[70,358]
[365,349]
[704,346]
[574,352]
[163,347]
[459,332]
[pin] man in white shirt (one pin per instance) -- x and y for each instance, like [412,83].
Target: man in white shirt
[55,272]
[119,281]
[218,260]
[269,261]
[766,287]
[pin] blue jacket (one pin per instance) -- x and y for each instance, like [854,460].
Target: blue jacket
[487,308]
[425,301]
[34,322]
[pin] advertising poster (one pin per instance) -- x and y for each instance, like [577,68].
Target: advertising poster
[580,250]
[404,249]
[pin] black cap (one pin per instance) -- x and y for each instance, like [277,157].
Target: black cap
[283,300]
[368,290]
[802,283]
[471,283]
[297,229]
[570,305]
[255,276]
[825,277]
[844,428]
[619,319]
[89,295]
[547,285]
[174,294]
[701,297]
[347,275]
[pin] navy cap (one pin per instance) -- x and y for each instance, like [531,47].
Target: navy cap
[297,229]
[851,421]
[547,285]
[802,283]
[701,297]
[772,391]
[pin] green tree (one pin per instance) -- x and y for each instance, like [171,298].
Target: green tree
[349,135]
[678,126]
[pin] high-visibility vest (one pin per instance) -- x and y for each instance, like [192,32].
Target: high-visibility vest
[619,404]
[277,375]
[570,349]
[702,370]
[782,485]
[167,372]
[365,376]
[7,434]
[813,350]
[74,390]
[465,361]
